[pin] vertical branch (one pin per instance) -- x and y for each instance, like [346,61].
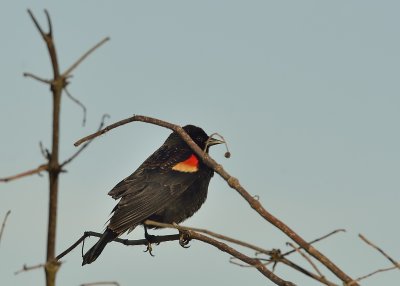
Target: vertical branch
[57,85]
[54,171]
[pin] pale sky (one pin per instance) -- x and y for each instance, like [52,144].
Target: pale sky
[305,92]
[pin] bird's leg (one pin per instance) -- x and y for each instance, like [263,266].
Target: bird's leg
[149,238]
[184,238]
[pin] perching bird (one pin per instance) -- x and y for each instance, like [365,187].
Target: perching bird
[169,187]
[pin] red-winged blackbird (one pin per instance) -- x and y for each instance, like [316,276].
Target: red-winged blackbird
[170,186]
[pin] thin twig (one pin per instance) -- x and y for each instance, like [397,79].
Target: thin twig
[3,225]
[134,118]
[370,274]
[43,167]
[395,263]
[45,81]
[319,278]
[69,160]
[306,258]
[45,152]
[78,103]
[48,39]
[85,55]
[50,33]
[42,33]
[28,268]
[234,184]
[317,239]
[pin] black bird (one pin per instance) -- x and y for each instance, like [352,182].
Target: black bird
[169,187]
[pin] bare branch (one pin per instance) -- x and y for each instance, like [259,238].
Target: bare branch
[78,103]
[190,235]
[141,118]
[57,84]
[37,170]
[233,183]
[289,263]
[306,258]
[251,261]
[317,239]
[3,225]
[50,33]
[46,81]
[48,39]
[85,55]
[370,274]
[28,268]
[154,239]
[395,263]
[211,233]
[69,160]
[319,278]
[42,33]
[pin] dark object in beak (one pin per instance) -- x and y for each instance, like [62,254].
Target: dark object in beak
[213,141]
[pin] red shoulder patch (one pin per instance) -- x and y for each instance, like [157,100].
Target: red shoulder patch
[190,165]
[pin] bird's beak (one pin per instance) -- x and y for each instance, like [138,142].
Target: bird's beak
[213,141]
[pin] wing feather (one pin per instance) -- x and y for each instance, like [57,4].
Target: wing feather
[136,206]
[161,160]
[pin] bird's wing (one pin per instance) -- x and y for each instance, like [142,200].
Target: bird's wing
[160,161]
[150,188]
[149,196]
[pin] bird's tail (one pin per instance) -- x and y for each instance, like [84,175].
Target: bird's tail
[96,249]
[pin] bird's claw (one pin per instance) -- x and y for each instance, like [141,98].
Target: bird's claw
[184,239]
[149,249]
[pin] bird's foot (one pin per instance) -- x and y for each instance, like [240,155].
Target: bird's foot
[184,238]
[149,249]
[150,238]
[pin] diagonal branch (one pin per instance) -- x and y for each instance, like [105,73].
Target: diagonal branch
[233,183]
[395,263]
[3,225]
[306,258]
[38,27]
[321,278]
[43,167]
[371,274]
[84,56]
[317,239]
[76,154]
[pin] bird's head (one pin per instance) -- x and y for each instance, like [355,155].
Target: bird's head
[198,136]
